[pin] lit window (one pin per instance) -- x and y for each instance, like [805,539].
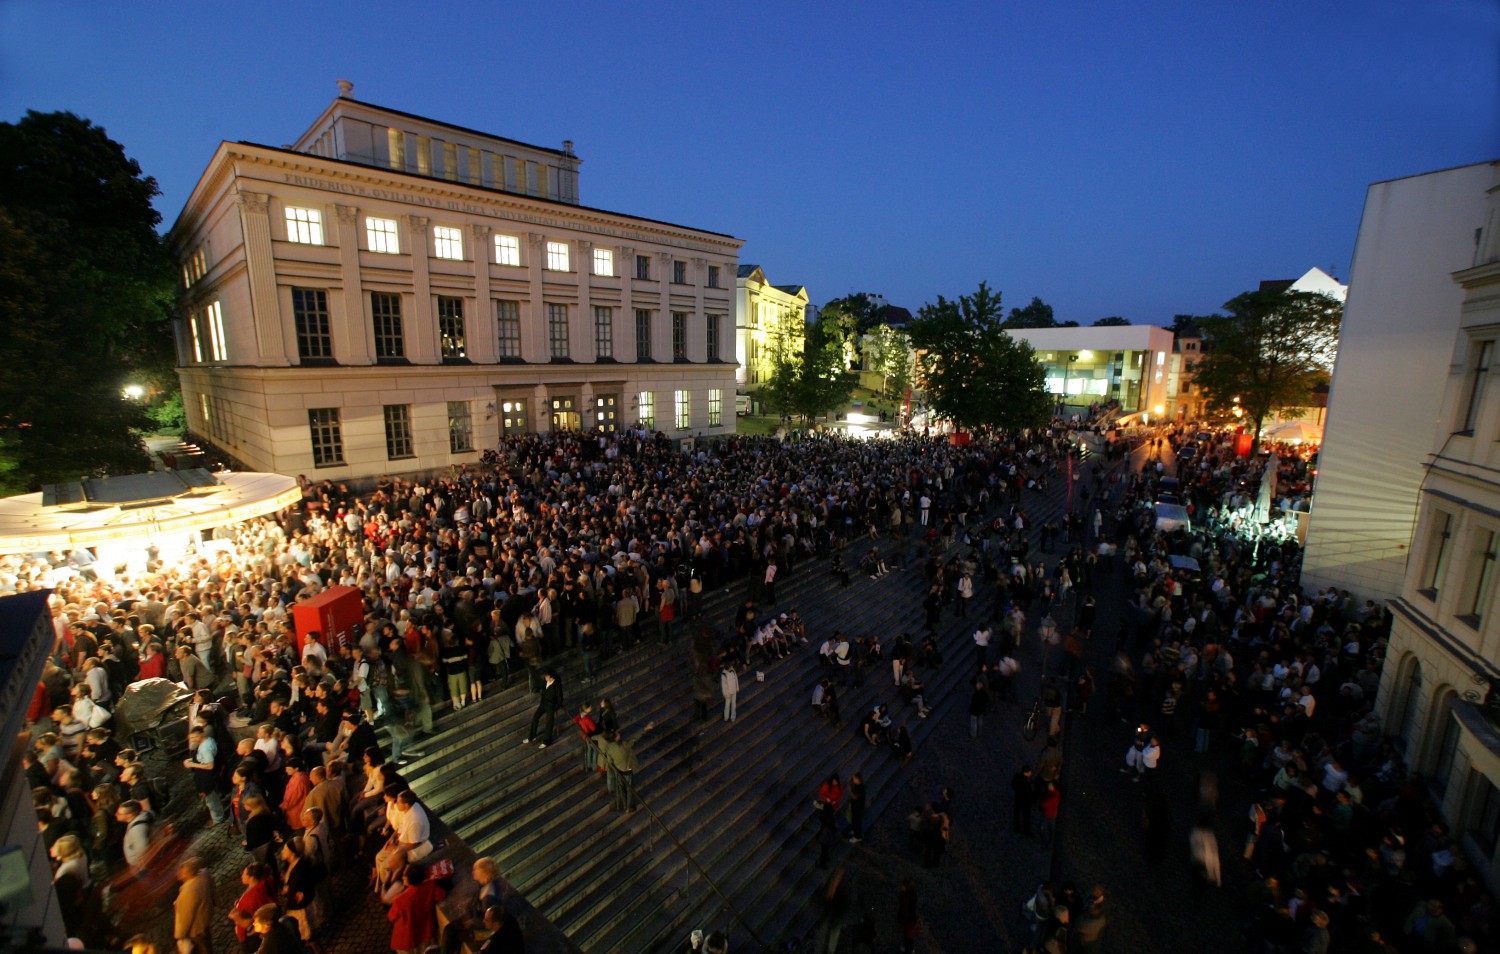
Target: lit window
[398,431]
[604,262]
[604,332]
[1161,357]
[684,416]
[451,328]
[715,407]
[217,345]
[507,250]
[380,235]
[327,436]
[304,226]
[679,273]
[508,321]
[647,401]
[557,256]
[460,428]
[513,418]
[448,243]
[557,331]
[205,412]
[197,339]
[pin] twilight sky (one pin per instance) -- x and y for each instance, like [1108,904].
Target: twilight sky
[1137,159]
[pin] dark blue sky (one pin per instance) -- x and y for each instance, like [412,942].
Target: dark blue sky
[1139,159]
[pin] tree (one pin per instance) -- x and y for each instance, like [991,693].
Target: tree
[975,374]
[1113,321]
[809,375]
[888,353]
[85,287]
[1267,351]
[861,309]
[1038,314]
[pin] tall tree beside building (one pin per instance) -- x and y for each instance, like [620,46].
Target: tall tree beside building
[975,374]
[814,379]
[85,287]
[888,353]
[1268,350]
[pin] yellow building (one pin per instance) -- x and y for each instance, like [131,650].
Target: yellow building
[768,319]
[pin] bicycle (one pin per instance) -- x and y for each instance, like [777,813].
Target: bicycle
[1033,723]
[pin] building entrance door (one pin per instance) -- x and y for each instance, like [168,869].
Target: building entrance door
[606,409]
[564,413]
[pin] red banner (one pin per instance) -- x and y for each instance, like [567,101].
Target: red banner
[1244,443]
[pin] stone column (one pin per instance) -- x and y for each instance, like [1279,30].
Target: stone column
[352,335]
[534,314]
[275,338]
[419,327]
[541,410]
[581,334]
[483,336]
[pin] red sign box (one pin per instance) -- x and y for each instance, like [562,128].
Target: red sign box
[337,614]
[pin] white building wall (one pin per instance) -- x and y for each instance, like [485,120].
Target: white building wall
[1394,351]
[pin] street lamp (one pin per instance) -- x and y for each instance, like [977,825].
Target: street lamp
[134,392]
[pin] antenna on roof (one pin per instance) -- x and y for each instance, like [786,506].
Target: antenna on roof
[346,89]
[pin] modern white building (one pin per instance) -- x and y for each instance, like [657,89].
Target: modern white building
[767,317]
[1395,346]
[392,293]
[1440,690]
[1127,363]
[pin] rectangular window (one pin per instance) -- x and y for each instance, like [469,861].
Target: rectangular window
[451,328]
[448,242]
[205,413]
[1476,595]
[684,415]
[604,332]
[217,345]
[450,161]
[395,142]
[460,428]
[508,321]
[327,436]
[557,256]
[424,156]
[398,431]
[715,407]
[643,267]
[1437,553]
[679,273]
[513,419]
[381,236]
[712,331]
[647,404]
[304,226]
[604,262]
[643,334]
[679,336]
[713,276]
[310,317]
[197,339]
[557,331]
[507,250]
[1477,376]
[385,316]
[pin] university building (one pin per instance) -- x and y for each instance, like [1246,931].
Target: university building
[767,318]
[392,294]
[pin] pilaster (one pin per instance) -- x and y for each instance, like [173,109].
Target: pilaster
[352,335]
[483,343]
[534,314]
[275,343]
[420,328]
[581,332]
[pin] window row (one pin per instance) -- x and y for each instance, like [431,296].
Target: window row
[326,432]
[207,330]
[1457,569]
[310,319]
[382,236]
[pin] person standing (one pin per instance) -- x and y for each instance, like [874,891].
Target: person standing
[193,910]
[1023,794]
[550,700]
[621,757]
[856,808]
[979,704]
[204,764]
[770,588]
[1048,802]
[729,686]
[413,913]
[908,924]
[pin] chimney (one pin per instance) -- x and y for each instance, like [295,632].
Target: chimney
[346,89]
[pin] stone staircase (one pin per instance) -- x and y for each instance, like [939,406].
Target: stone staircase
[726,837]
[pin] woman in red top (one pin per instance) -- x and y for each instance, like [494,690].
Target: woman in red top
[257,881]
[830,797]
[413,914]
[1049,802]
[153,663]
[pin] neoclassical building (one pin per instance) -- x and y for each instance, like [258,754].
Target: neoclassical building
[1440,690]
[391,294]
[767,317]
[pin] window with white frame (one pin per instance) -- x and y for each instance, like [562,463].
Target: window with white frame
[327,436]
[684,416]
[460,428]
[197,339]
[604,332]
[604,262]
[507,250]
[398,431]
[1435,558]
[715,407]
[381,235]
[1480,580]
[214,317]
[557,256]
[508,322]
[304,226]
[448,242]
[557,331]
[647,409]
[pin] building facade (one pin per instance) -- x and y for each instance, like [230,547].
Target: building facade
[767,319]
[1092,365]
[1400,317]
[393,294]
[1440,689]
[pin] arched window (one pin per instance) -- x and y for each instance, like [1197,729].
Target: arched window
[1404,699]
[1442,733]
